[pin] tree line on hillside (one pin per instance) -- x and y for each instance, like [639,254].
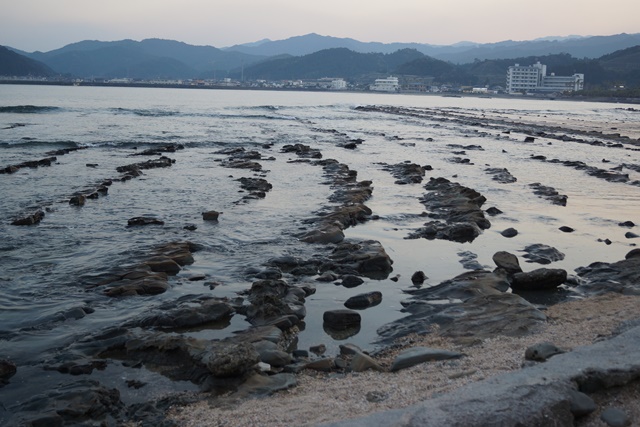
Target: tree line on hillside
[124,59]
[618,68]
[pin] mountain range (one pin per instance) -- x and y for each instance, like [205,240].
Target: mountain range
[314,56]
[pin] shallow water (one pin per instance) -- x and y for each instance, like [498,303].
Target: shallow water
[44,267]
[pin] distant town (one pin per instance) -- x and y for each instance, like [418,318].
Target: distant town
[520,80]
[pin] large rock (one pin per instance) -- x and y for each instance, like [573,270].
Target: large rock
[188,311]
[478,308]
[622,276]
[542,254]
[456,211]
[143,220]
[507,261]
[362,301]
[540,279]
[81,402]
[32,219]
[272,300]
[366,257]
[341,319]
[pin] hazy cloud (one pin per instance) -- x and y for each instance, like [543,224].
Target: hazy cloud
[44,24]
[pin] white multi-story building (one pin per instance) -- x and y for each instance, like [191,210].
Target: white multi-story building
[555,83]
[525,78]
[390,84]
[533,78]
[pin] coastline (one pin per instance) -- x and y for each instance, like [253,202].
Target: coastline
[533,145]
[325,398]
[612,100]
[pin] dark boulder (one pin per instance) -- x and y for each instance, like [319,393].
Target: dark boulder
[418,277]
[622,276]
[7,370]
[502,175]
[542,254]
[549,193]
[78,200]
[210,215]
[507,261]
[366,257]
[509,232]
[351,281]
[361,301]
[32,219]
[456,211]
[540,279]
[341,319]
[143,220]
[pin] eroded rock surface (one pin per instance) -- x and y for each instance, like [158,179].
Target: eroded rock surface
[456,211]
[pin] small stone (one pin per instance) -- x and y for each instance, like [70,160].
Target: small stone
[493,211]
[340,363]
[318,349]
[350,281]
[78,200]
[566,229]
[416,355]
[349,349]
[275,358]
[361,301]
[581,404]
[327,276]
[630,235]
[509,232]
[190,227]
[627,224]
[300,354]
[361,362]
[376,396]
[325,365]
[418,277]
[210,215]
[615,417]
[542,352]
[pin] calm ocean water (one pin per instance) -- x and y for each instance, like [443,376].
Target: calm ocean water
[43,267]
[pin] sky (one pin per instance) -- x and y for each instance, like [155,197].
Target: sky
[44,25]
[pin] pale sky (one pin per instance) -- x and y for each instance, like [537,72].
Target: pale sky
[44,25]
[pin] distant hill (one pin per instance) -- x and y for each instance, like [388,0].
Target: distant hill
[579,47]
[337,62]
[311,43]
[147,59]
[168,59]
[587,47]
[14,64]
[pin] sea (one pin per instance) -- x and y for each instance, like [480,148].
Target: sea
[44,268]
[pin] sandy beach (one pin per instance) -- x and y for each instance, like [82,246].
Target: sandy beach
[321,398]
